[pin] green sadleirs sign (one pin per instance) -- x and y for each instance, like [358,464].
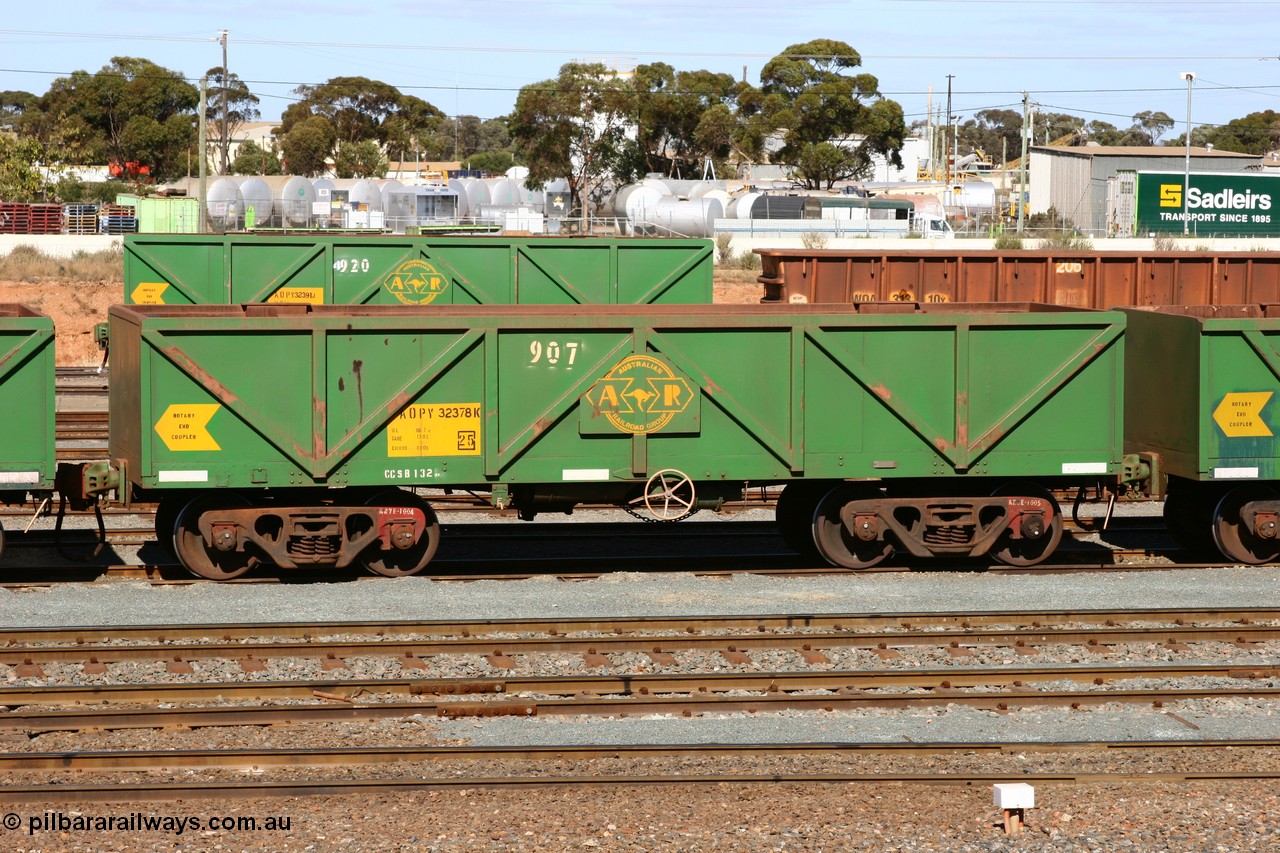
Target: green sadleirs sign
[1212,205]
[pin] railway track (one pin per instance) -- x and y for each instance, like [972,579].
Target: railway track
[253,789]
[130,710]
[452,768]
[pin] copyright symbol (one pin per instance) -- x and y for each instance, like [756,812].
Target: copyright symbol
[12,821]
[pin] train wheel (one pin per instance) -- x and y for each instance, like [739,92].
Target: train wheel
[834,541]
[1,538]
[1235,537]
[396,563]
[1027,551]
[793,514]
[1188,516]
[197,556]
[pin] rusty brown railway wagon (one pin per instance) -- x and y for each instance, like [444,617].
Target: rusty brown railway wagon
[1078,279]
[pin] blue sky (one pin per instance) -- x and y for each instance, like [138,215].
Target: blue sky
[1103,59]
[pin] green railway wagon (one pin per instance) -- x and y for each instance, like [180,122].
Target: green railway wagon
[27,399]
[1203,382]
[284,433]
[347,269]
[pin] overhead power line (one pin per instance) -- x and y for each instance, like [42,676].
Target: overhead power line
[613,53]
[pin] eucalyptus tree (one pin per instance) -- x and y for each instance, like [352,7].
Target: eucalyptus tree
[831,118]
[574,127]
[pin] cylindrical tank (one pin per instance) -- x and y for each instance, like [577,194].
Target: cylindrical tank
[387,187]
[503,191]
[367,193]
[291,198]
[464,203]
[224,204]
[256,195]
[477,193]
[638,202]
[971,195]
[718,194]
[678,217]
[740,207]
[519,174]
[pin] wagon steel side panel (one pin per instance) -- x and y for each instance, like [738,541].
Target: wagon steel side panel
[27,399]
[1203,390]
[373,395]
[394,270]
[1078,279]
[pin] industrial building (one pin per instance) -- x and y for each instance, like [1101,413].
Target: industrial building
[1073,181]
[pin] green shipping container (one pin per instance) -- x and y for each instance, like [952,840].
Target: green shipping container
[545,408]
[1202,406]
[399,270]
[164,215]
[27,399]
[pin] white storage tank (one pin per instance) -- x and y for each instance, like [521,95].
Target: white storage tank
[464,203]
[634,201]
[477,193]
[678,217]
[740,207]
[224,204]
[292,196]
[365,193]
[256,195]
[503,191]
[387,187]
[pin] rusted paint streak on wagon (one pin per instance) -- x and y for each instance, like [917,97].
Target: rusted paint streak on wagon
[1094,279]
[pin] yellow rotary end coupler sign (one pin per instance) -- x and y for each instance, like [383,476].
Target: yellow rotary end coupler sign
[641,394]
[435,429]
[1239,415]
[415,282]
[185,426]
[149,293]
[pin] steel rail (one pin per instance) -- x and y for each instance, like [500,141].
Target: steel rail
[251,788]
[599,696]
[1024,640]
[239,759]
[905,620]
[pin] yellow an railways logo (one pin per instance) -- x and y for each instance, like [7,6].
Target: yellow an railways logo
[415,282]
[640,394]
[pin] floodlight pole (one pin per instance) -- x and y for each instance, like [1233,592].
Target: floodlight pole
[1190,77]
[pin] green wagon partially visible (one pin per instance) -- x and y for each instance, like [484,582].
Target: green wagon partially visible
[1203,404]
[27,398]
[346,269]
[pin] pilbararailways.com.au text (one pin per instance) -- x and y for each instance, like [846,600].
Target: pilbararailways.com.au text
[140,822]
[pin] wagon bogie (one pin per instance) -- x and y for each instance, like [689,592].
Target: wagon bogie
[222,534]
[858,525]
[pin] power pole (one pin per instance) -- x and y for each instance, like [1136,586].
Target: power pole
[226,91]
[950,77]
[1022,164]
[204,152]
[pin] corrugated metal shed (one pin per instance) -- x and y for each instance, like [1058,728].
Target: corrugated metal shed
[1074,180]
